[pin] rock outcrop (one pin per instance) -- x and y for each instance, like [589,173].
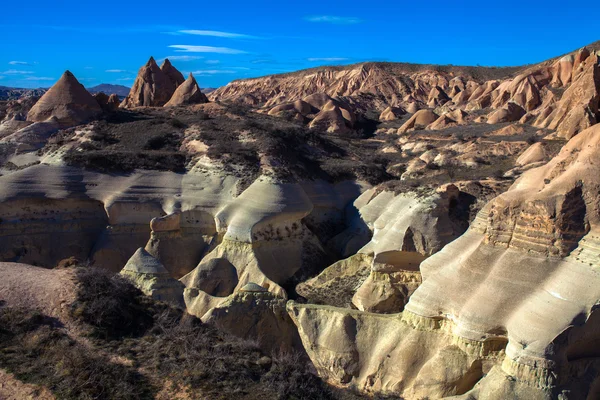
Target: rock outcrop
[152,278]
[420,119]
[260,316]
[405,230]
[67,101]
[509,113]
[152,87]
[107,103]
[578,107]
[187,93]
[506,311]
[172,73]
[391,114]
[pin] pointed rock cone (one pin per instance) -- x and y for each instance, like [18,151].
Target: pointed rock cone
[151,277]
[152,87]
[68,101]
[187,93]
[173,73]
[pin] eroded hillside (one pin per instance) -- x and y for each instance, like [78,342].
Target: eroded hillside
[412,231]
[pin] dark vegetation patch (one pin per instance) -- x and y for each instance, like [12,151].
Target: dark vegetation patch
[243,142]
[36,350]
[128,356]
[124,141]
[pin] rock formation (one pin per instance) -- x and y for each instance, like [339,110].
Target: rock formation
[391,114]
[151,277]
[187,93]
[257,315]
[384,272]
[420,119]
[516,332]
[172,73]
[152,87]
[578,108]
[68,101]
[509,113]
[107,103]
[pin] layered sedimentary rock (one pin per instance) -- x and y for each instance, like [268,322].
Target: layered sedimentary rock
[507,311]
[152,87]
[67,101]
[406,230]
[263,238]
[179,240]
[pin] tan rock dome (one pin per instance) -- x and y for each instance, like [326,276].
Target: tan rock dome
[68,101]
[152,87]
[187,93]
[391,114]
[420,119]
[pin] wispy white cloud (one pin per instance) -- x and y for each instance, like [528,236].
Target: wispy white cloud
[19,63]
[88,67]
[332,19]
[124,79]
[212,62]
[2,77]
[181,58]
[17,72]
[39,78]
[228,35]
[205,49]
[116,71]
[213,71]
[327,59]
[264,61]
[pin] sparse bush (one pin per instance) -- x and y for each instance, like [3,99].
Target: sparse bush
[110,304]
[176,123]
[532,139]
[34,349]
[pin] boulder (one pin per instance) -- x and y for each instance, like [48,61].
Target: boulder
[216,277]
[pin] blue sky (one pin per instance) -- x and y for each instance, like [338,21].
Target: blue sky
[107,41]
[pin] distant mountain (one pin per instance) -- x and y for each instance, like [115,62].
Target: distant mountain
[119,90]
[208,90]
[11,93]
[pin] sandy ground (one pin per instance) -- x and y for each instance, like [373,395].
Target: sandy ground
[50,291]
